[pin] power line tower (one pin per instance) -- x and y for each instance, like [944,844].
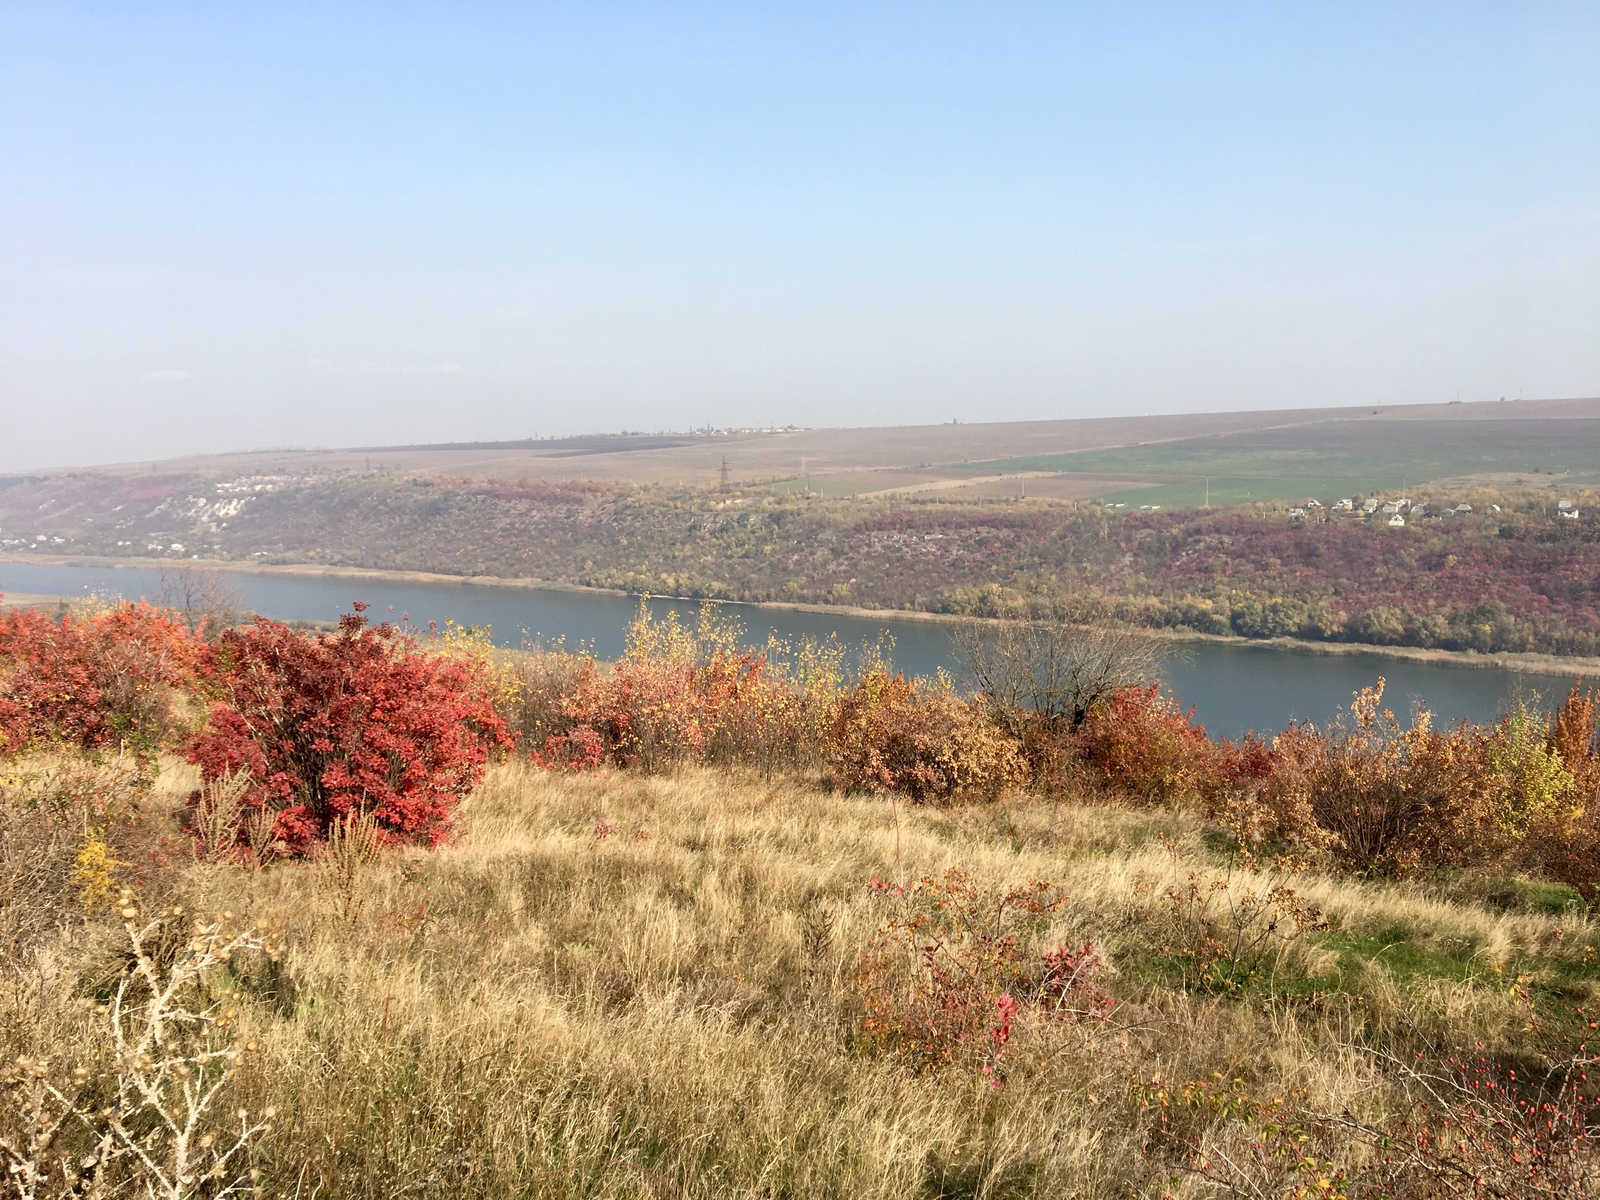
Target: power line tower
[723,474]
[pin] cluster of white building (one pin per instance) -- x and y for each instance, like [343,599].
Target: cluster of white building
[1396,511]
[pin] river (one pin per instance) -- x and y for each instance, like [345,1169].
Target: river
[1233,687]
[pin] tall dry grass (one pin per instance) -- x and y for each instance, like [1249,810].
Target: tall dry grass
[618,985]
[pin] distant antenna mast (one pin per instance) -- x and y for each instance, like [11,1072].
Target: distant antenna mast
[724,472]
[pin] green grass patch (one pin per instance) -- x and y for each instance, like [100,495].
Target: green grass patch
[1532,895]
[1328,460]
[1407,955]
[1226,491]
[1403,954]
[822,487]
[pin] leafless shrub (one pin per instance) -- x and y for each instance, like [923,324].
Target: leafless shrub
[36,877]
[205,599]
[1053,672]
[141,1112]
[543,677]
[54,861]
[1223,933]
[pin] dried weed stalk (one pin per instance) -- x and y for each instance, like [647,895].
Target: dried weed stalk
[149,1118]
[353,846]
[219,814]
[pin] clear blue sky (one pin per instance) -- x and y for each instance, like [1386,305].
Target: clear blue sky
[228,226]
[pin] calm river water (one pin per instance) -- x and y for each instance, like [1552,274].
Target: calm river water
[1233,687]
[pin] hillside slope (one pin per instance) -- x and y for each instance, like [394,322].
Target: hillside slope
[1517,573]
[615,986]
[1526,578]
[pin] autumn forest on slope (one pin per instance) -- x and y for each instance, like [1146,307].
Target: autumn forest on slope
[1483,534]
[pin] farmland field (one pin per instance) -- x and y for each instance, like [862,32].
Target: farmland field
[1331,459]
[908,458]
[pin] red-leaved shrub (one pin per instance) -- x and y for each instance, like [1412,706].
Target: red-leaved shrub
[111,679]
[1141,745]
[362,721]
[579,750]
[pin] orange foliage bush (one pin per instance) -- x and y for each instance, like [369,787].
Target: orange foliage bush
[1372,794]
[681,695]
[890,733]
[1143,746]
[1379,796]
[1575,735]
[695,695]
[1565,844]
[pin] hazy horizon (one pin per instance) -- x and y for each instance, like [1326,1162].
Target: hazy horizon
[340,225]
[512,442]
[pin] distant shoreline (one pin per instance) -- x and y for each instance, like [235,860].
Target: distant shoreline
[1534,664]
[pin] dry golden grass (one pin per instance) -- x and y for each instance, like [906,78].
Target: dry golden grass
[537,1010]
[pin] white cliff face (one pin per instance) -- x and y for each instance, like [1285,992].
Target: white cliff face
[211,512]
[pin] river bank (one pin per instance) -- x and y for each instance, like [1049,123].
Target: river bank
[1534,664]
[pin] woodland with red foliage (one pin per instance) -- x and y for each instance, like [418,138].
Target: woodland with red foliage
[1522,578]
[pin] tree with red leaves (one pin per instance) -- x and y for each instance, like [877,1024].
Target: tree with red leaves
[362,721]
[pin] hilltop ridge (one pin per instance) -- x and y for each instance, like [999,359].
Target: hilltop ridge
[858,459]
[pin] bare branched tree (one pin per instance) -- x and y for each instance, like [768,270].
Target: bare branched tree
[1052,671]
[203,598]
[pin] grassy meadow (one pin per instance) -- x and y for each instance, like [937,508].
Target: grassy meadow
[616,985]
[363,913]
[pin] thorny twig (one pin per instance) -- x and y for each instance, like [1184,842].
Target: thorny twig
[172,1056]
